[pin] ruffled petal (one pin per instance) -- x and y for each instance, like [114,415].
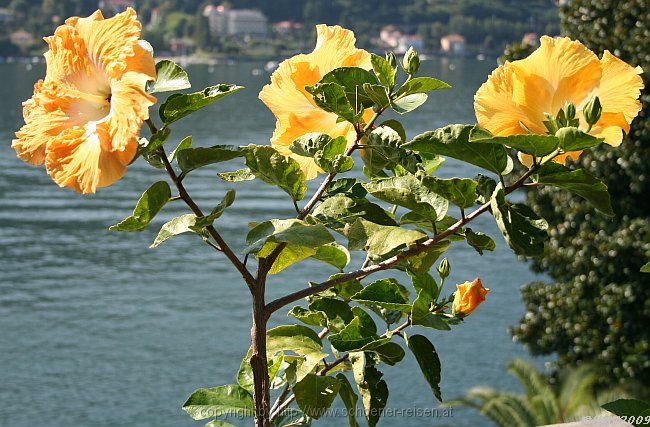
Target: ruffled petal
[559,71]
[78,158]
[109,42]
[335,48]
[495,108]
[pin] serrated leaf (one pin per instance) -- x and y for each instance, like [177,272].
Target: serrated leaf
[218,210]
[310,317]
[309,144]
[180,224]
[355,336]
[288,230]
[453,141]
[337,312]
[228,399]
[573,139]
[169,77]
[421,85]
[339,210]
[479,241]
[427,357]
[377,94]
[383,70]
[459,191]
[239,175]
[524,231]
[275,169]
[148,206]
[298,339]
[384,293]
[180,105]
[535,145]
[352,79]
[407,191]
[332,98]
[578,182]
[315,393]
[408,103]
[380,239]
[190,159]
[349,399]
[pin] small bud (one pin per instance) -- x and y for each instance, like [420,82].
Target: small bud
[468,296]
[392,60]
[411,61]
[444,268]
[570,111]
[592,111]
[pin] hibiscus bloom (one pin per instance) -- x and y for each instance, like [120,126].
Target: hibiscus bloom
[84,118]
[294,107]
[518,95]
[468,297]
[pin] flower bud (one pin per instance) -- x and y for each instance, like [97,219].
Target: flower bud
[411,61]
[570,111]
[444,268]
[392,60]
[468,296]
[592,111]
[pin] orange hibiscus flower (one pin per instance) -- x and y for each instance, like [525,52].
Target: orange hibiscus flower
[293,106]
[84,118]
[468,297]
[518,95]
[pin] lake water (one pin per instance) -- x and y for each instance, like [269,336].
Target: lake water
[97,329]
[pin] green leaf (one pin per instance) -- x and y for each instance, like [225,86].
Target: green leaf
[333,254]
[459,191]
[346,289]
[290,255]
[169,77]
[309,144]
[397,127]
[219,423]
[275,169]
[380,239]
[351,187]
[484,188]
[422,262]
[289,231]
[578,182]
[315,393]
[408,103]
[157,140]
[331,157]
[332,98]
[409,192]
[390,353]
[352,79]
[524,231]
[349,398]
[180,105]
[420,314]
[309,317]
[190,159]
[627,408]
[228,399]
[373,390]
[377,94]
[337,312]
[340,210]
[573,139]
[180,224]
[384,293]
[421,85]
[535,145]
[185,143]
[645,268]
[383,70]
[149,204]
[298,339]
[355,336]
[218,210]
[453,141]
[239,175]
[479,241]
[427,357]
[365,319]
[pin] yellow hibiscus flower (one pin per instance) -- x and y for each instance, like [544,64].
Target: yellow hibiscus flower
[84,118]
[518,95]
[468,297]
[293,106]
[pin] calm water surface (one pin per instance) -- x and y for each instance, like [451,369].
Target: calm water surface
[96,329]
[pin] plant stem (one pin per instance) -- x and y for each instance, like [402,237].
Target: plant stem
[259,362]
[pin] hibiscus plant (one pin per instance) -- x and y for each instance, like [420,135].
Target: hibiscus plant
[83,123]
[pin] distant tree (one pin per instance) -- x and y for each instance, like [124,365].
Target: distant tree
[201,31]
[599,307]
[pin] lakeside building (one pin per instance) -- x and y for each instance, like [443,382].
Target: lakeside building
[22,39]
[230,22]
[530,39]
[453,44]
[392,37]
[286,27]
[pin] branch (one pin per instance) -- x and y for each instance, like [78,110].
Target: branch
[388,263]
[184,195]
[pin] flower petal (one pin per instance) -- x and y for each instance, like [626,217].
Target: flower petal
[78,158]
[494,106]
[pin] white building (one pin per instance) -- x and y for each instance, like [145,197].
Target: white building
[453,43]
[230,22]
